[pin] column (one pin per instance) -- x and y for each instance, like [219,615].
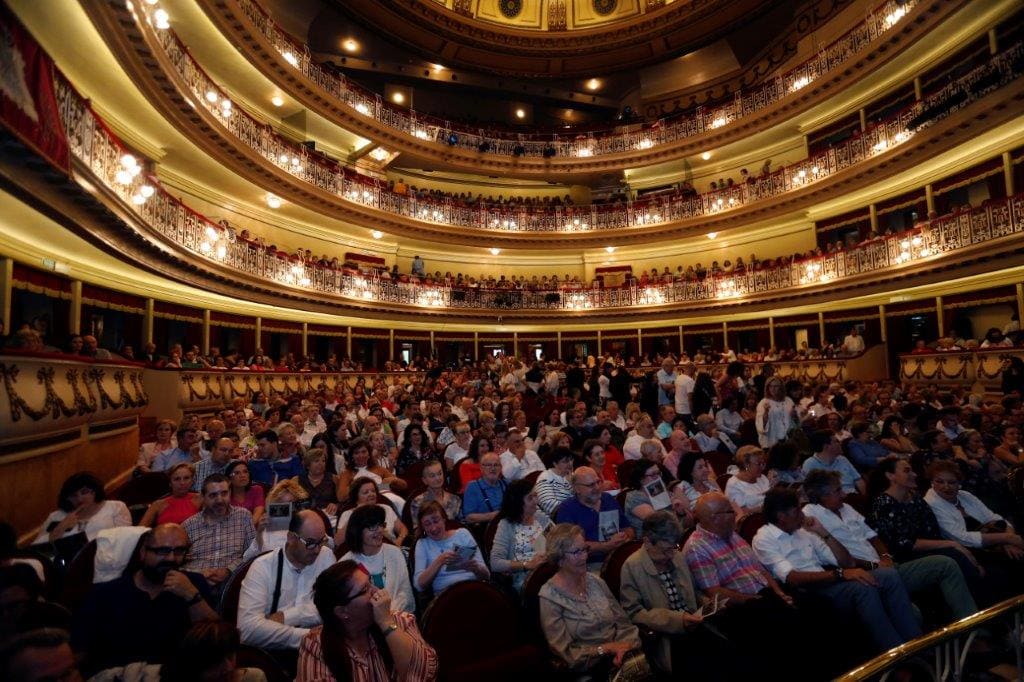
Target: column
[1020,301]
[940,317]
[771,332]
[639,343]
[75,310]
[305,339]
[863,120]
[1008,173]
[259,332]
[558,347]
[391,345]
[929,198]
[515,343]
[873,216]
[6,292]
[147,322]
[918,91]
[993,41]
[348,342]
[883,330]
[599,342]
[476,345]
[821,329]
[206,332]
[681,348]
[431,343]
[725,334]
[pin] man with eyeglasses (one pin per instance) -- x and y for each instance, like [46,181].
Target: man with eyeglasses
[517,461]
[484,496]
[605,526]
[275,606]
[141,616]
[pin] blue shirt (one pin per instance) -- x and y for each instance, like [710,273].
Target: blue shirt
[847,474]
[428,550]
[866,455]
[664,377]
[571,511]
[265,471]
[168,458]
[483,498]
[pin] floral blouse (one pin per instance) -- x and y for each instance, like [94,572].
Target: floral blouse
[901,524]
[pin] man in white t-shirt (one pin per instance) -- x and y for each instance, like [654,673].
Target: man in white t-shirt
[684,392]
[853,344]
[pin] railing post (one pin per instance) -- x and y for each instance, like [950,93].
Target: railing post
[1008,173]
[206,331]
[929,199]
[884,333]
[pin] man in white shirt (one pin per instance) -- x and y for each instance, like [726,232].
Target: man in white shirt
[824,492]
[796,549]
[275,606]
[644,431]
[684,385]
[853,344]
[517,461]
[615,416]
[459,448]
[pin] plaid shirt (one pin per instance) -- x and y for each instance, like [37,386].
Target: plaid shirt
[218,542]
[731,564]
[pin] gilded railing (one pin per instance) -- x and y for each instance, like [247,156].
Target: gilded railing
[983,366]
[943,654]
[327,175]
[103,153]
[594,143]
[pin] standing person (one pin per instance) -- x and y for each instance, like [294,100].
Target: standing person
[362,639]
[775,415]
[683,388]
[666,378]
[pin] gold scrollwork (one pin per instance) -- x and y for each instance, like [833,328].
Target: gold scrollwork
[210,392]
[83,406]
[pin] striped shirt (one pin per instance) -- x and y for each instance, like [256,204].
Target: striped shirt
[218,542]
[731,564]
[371,668]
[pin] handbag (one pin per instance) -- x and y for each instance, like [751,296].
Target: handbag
[634,668]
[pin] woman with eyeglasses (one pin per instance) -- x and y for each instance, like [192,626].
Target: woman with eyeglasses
[363,493]
[180,504]
[363,637]
[384,562]
[582,621]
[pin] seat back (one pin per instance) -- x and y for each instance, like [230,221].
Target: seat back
[531,589]
[611,570]
[413,475]
[78,580]
[859,502]
[228,607]
[624,471]
[488,541]
[252,657]
[723,480]
[718,461]
[143,489]
[532,476]
[750,524]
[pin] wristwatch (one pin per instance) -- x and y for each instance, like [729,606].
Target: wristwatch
[839,573]
[391,628]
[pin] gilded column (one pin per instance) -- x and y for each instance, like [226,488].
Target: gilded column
[206,331]
[75,310]
[940,317]
[305,339]
[147,322]
[6,292]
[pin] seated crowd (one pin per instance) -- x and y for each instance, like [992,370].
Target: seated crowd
[649,533]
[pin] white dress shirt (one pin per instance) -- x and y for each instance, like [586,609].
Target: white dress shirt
[295,602]
[512,468]
[952,522]
[849,528]
[782,553]
[684,389]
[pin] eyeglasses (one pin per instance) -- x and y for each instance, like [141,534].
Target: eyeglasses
[576,552]
[167,551]
[311,543]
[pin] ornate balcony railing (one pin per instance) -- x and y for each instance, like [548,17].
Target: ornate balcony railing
[95,146]
[594,143]
[334,178]
[966,368]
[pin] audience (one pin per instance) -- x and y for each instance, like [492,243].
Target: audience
[444,556]
[219,534]
[82,507]
[384,562]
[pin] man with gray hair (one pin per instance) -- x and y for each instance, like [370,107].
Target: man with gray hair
[216,463]
[684,385]
[602,520]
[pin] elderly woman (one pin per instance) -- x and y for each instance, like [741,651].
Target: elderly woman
[164,441]
[363,638]
[433,478]
[553,486]
[243,493]
[384,563]
[747,488]
[775,414]
[582,621]
[318,484]
[82,507]
[696,476]
[669,612]
[444,556]
[179,505]
[519,540]
[639,505]
[363,493]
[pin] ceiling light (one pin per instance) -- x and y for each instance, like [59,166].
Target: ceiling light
[162,19]
[146,191]
[273,201]
[123,177]
[291,58]
[495,251]
[712,235]
[380,154]
[706,156]
[437,67]
[350,45]
[376,234]
[398,98]
[610,249]
[277,100]
[593,84]
[520,113]
[211,96]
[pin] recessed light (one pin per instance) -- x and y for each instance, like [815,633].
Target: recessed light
[437,67]
[593,84]
[397,98]
[495,251]
[520,113]
[712,235]
[706,156]
[273,201]
[350,45]
[610,249]
[376,234]
[277,100]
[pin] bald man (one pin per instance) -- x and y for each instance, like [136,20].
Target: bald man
[275,606]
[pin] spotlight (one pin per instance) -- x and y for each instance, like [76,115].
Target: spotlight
[453,139]
[549,152]
[484,146]
[518,150]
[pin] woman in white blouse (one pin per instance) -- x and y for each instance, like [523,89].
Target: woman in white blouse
[385,563]
[747,488]
[965,518]
[775,413]
[82,507]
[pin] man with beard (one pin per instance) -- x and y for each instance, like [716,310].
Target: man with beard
[141,616]
[219,534]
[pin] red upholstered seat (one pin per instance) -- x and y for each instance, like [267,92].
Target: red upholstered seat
[478,634]
[750,525]
[611,570]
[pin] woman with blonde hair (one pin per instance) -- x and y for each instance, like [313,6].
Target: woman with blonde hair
[286,491]
[180,504]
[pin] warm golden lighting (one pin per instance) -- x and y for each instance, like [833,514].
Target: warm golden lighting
[377,234]
[350,45]
[593,84]
[398,98]
[520,113]
[706,156]
[277,100]
[495,251]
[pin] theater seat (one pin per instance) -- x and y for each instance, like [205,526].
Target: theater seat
[143,489]
[611,570]
[750,524]
[228,607]
[478,635]
[78,580]
[718,461]
[252,657]
[532,476]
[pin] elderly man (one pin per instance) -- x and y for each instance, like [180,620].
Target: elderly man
[142,616]
[219,534]
[602,520]
[679,444]
[517,461]
[644,431]
[483,497]
[666,377]
[216,463]
[275,607]
[710,439]
[824,493]
[798,550]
